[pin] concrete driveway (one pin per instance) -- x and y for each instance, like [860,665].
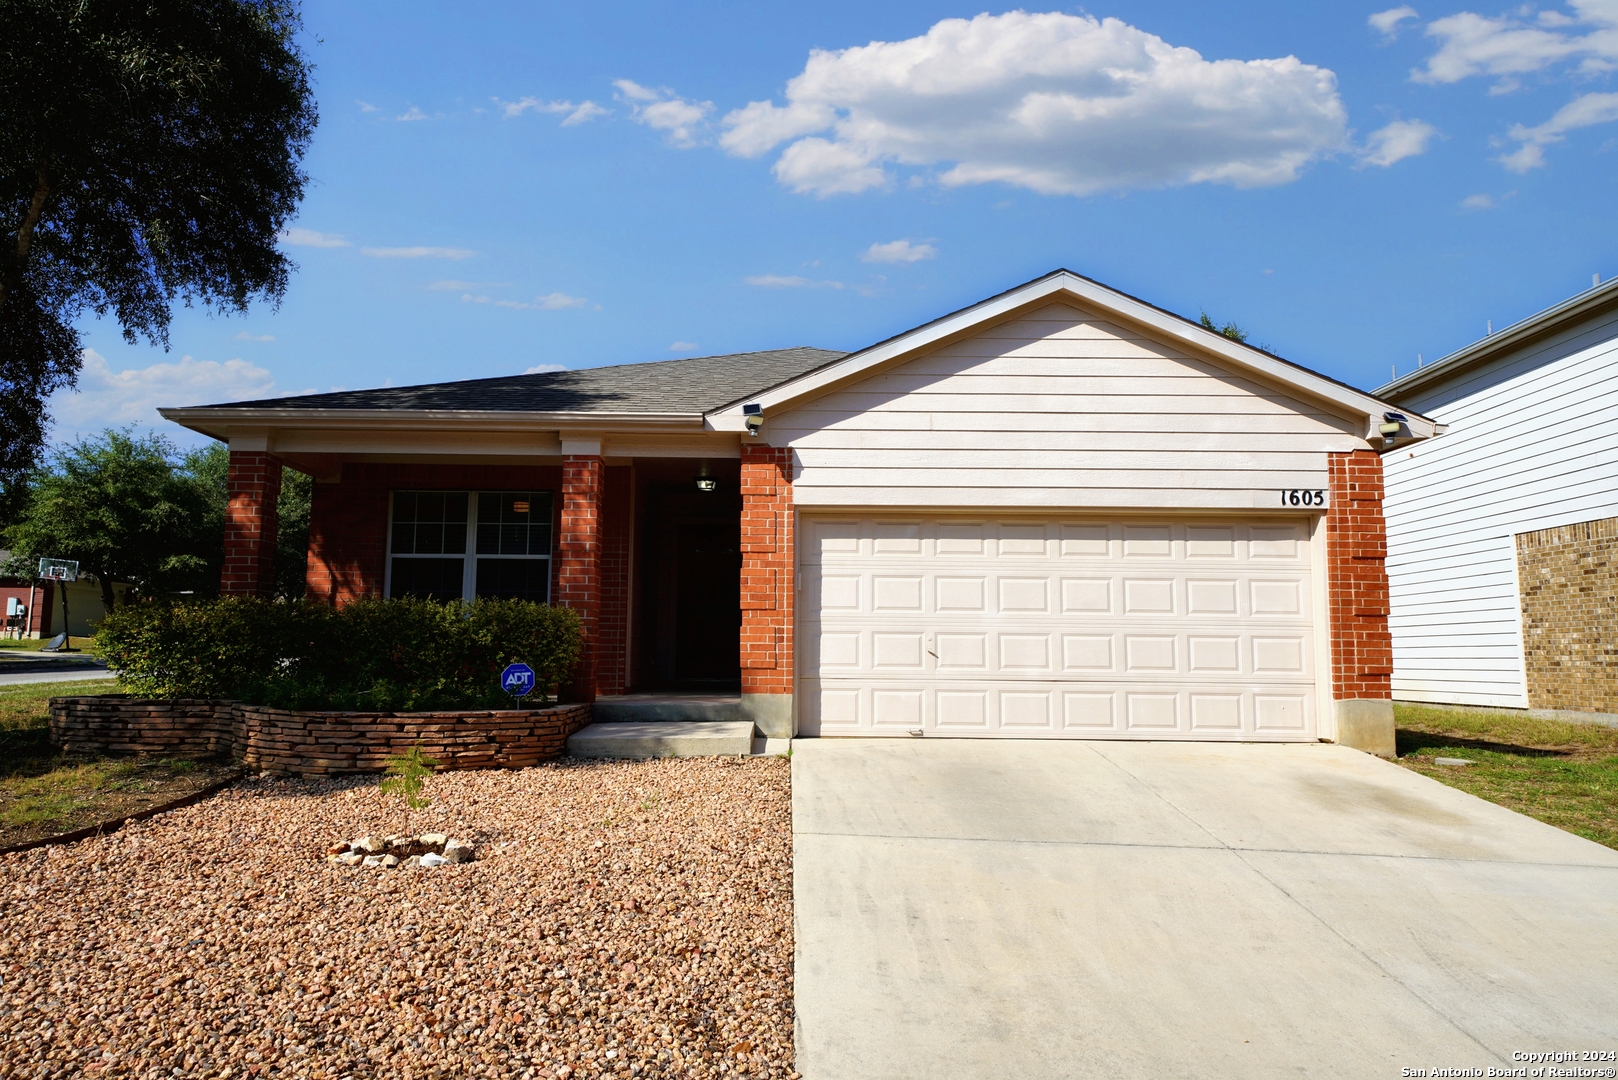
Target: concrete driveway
[975,908]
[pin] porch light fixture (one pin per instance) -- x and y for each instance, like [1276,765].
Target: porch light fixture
[520,507]
[1390,428]
[753,417]
[706,483]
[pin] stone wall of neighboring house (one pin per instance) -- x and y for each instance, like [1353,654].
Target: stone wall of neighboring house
[1568,578]
[310,743]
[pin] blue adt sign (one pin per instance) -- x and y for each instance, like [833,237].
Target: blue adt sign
[517,680]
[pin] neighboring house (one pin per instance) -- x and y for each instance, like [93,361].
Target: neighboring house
[1503,532]
[34,609]
[1059,513]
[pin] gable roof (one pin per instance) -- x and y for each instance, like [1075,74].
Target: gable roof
[1592,303]
[1056,286]
[664,388]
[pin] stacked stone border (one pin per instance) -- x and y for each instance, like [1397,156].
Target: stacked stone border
[309,743]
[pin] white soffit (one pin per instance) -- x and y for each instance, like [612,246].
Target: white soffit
[1055,287]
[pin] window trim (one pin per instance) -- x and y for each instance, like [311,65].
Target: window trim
[469,557]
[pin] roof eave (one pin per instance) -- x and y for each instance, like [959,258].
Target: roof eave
[1590,302]
[217,422]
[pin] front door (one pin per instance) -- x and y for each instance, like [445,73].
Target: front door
[708,567]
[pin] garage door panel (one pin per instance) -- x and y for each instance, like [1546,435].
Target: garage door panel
[1058,629]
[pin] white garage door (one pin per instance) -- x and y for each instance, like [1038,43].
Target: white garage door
[1062,629]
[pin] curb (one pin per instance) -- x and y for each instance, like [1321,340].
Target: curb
[104,827]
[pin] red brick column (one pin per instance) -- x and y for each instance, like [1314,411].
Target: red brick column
[579,572]
[768,588]
[251,524]
[612,667]
[1357,579]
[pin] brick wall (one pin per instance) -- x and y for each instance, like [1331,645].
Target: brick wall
[310,744]
[348,520]
[578,580]
[767,570]
[251,524]
[1569,582]
[612,669]
[1357,579]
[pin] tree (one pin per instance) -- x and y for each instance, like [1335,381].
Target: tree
[122,507]
[1230,329]
[149,150]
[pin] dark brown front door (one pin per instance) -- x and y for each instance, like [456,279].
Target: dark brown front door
[707,601]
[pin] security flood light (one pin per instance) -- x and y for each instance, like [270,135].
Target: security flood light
[706,483]
[1393,421]
[753,417]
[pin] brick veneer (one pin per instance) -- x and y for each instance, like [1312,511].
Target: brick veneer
[578,579]
[612,664]
[1568,578]
[310,744]
[348,520]
[1357,579]
[767,591]
[251,524]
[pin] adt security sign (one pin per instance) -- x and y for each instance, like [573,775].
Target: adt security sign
[517,680]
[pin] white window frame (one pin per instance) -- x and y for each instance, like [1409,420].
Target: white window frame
[469,558]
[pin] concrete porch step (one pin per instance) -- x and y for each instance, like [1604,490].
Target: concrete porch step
[663,738]
[643,708]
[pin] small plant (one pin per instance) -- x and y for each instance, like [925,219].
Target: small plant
[406,774]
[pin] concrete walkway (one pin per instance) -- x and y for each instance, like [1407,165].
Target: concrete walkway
[977,909]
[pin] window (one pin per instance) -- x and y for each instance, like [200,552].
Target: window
[445,545]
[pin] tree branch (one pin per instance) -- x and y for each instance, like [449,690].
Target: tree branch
[25,234]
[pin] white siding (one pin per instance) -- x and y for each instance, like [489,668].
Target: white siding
[1532,444]
[1058,408]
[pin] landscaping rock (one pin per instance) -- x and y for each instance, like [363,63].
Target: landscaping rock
[389,861]
[217,952]
[367,843]
[372,860]
[458,852]
[431,860]
[434,839]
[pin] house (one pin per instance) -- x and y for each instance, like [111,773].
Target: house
[1058,513]
[1502,532]
[33,609]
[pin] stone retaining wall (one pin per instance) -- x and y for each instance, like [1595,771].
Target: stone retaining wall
[310,743]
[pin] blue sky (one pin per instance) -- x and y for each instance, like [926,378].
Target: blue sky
[504,186]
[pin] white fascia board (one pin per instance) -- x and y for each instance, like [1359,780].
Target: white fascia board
[218,423]
[1347,401]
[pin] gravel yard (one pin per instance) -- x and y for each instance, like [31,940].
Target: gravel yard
[621,918]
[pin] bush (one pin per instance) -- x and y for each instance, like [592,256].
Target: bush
[373,655]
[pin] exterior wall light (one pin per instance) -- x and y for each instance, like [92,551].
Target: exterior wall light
[1392,423]
[753,417]
[706,483]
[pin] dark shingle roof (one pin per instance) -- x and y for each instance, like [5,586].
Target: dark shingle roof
[698,385]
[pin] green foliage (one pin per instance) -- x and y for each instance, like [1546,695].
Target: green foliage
[405,775]
[124,507]
[403,655]
[148,151]
[1230,329]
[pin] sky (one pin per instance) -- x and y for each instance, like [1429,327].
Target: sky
[508,187]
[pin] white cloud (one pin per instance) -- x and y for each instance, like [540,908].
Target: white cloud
[417,253]
[456,286]
[1397,141]
[777,281]
[1387,22]
[1478,202]
[412,113]
[1581,112]
[298,236]
[898,251]
[664,111]
[245,336]
[574,114]
[683,346]
[555,301]
[1515,44]
[366,106]
[544,369]
[107,398]
[1060,104]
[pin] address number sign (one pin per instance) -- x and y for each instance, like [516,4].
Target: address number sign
[1303,497]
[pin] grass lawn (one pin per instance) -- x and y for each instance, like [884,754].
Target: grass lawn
[35,644]
[43,793]
[1564,774]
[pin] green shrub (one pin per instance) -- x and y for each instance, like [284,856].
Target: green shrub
[385,655]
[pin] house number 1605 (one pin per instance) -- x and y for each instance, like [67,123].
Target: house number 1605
[1303,497]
